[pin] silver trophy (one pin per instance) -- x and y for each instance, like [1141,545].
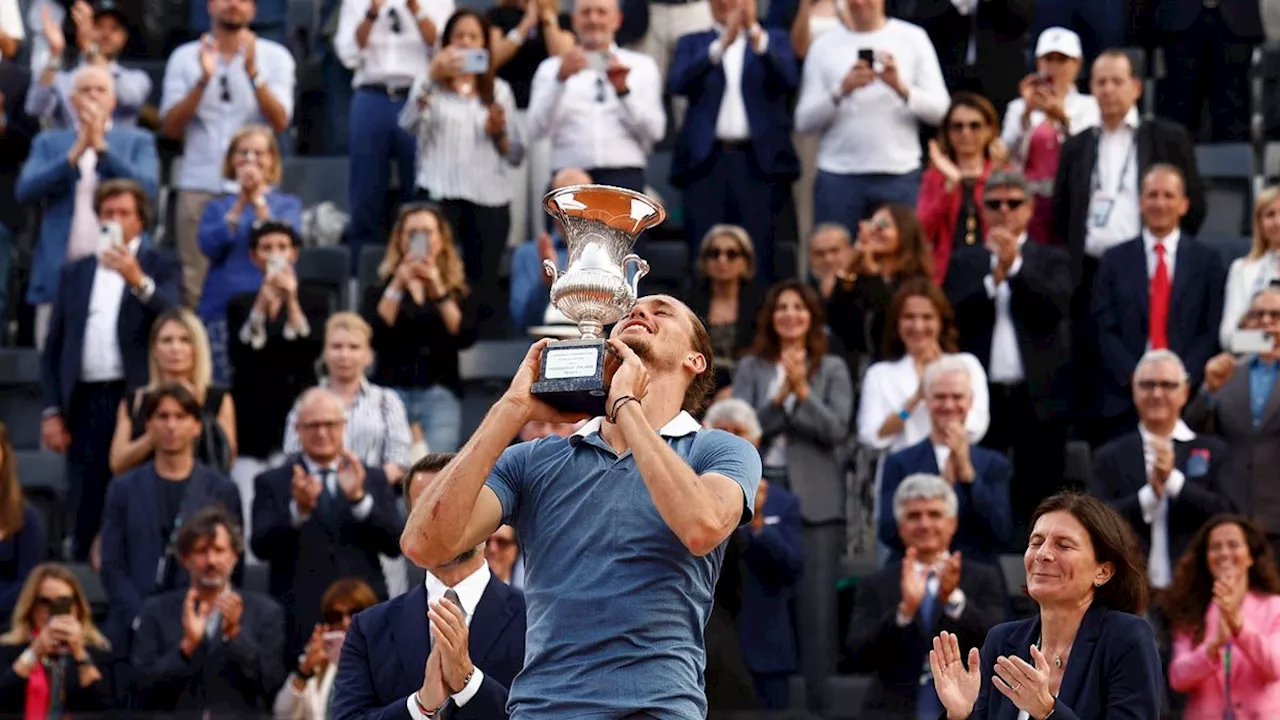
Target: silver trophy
[600,224]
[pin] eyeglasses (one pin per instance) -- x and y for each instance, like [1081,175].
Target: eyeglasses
[726,253]
[395,20]
[1265,315]
[972,126]
[335,616]
[330,425]
[1000,203]
[226,89]
[1152,385]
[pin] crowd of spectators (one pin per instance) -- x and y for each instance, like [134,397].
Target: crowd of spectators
[1000,261]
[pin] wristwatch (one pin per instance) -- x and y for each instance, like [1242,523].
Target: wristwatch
[145,288]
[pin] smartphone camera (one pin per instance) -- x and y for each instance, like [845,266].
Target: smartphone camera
[867,56]
[277,263]
[60,606]
[475,61]
[418,243]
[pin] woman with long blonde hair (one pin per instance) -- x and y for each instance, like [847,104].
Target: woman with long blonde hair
[179,353]
[22,538]
[423,314]
[52,643]
[1258,269]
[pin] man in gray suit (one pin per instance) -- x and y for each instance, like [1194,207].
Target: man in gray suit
[1225,406]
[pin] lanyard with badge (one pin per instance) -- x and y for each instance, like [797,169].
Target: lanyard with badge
[1101,203]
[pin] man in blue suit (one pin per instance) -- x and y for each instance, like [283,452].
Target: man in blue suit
[97,347]
[774,559]
[1162,290]
[62,172]
[146,506]
[979,476]
[733,157]
[453,644]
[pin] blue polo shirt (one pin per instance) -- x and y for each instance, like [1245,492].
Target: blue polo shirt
[616,603]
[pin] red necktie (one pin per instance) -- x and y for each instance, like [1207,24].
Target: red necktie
[1160,286]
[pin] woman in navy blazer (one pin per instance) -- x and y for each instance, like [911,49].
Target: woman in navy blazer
[1087,575]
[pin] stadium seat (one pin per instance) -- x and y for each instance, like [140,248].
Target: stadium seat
[1229,246]
[42,469]
[844,696]
[669,268]
[326,268]
[316,179]
[1225,160]
[19,366]
[1227,209]
[367,272]
[92,585]
[656,177]
[20,398]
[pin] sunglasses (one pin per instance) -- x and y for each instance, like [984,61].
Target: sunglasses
[336,616]
[62,602]
[998,203]
[972,126]
[226,89]
[394,17]
[330,425]
[1166,385]
[726,253]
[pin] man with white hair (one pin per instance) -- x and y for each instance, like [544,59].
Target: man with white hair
[900,607]
[979,476]
[65,167]
[321,516]
[1163,478]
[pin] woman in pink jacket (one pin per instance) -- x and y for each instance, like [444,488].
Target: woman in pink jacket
[1224,608]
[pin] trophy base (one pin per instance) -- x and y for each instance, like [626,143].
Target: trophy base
[571,376]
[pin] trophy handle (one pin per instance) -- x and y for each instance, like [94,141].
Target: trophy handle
[642,269]
[549,267]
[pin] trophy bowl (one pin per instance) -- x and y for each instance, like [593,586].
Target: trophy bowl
[600,225]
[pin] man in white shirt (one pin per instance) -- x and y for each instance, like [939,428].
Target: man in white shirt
[867,88]
[11,30]
[454,641]
[600,105]
[387,44]
[97,348]
[1050,94]
[1163,478]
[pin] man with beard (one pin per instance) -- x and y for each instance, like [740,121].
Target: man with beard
[214,86]
[630,513]
[209,650]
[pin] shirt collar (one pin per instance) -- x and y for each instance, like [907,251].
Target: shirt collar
[1131,121]
[679,426]
[1181,433]
[314,467]
[469,589]
[1170,241]
[364,384]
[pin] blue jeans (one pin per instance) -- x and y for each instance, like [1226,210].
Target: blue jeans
[849,199]
[438,412]
[375,141]
[6,266]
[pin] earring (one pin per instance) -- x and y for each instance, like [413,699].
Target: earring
[1097,585]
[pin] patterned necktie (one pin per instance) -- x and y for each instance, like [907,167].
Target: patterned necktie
[1158,326]
[928,706]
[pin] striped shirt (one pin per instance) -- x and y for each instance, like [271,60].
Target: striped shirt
[377,429]
[457,160]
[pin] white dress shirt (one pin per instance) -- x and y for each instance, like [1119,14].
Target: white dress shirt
[1155,510]
[1170,243]
[469,591]
[871,130]
[953,604]
[1117,150]
[731,123]
[102,360]
[589,125]
[82,241]
[1005,367]
[389,58]
[886,388]
[360,510]
[775,455]
[1081,110]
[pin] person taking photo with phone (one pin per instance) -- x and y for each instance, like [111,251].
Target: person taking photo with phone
[308,692]
[464,120]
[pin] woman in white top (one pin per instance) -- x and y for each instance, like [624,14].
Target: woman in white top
[920,327]
[1258,269]
[308,692]
[468,144]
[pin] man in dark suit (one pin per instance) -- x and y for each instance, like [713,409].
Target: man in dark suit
[1163,478]
[64,168]
[901,607]
[1012,306]
[97,347]
[453,643]
[1160,290]
[16,130]
[146,506]
[1208,47]
[322,516]
[979,476]
[208,650]
[733,158]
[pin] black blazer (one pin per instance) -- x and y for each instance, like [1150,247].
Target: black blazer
[1040,307]
[1120,677]
[305,560]
[895,655]
[1121,313]
[235,678]
[15,81]
[64,349]
[387,647]
[1119,472]
[268,380]
[97,697]
[1159,141]
[750,298]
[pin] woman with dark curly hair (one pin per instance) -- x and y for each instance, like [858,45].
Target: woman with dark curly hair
[1224,608]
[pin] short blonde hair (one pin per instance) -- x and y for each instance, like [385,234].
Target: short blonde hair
[272,175]
[202,357]
[350,322]
[739,236]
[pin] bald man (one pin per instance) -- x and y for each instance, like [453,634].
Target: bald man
[63,170]
[321,516]
[530,286]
